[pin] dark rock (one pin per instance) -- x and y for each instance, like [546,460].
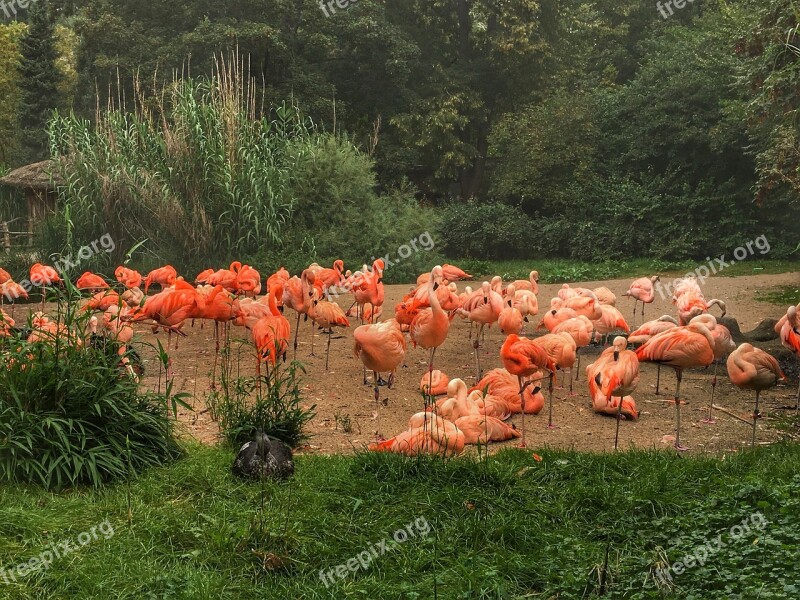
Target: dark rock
[264,458]
[764,331]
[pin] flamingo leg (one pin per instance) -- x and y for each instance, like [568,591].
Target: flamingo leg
[312,339]
[522,404]
[477,360]
[578,368]
[756,417]
[328,349]
[658,378]
[797,405]
[550,402]
[619,418]
[710,420]
[296,332]
[678,445]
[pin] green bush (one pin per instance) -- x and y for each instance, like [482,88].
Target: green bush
[70,415]
[492,231]
[272,404]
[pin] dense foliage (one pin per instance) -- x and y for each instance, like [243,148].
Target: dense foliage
[616,130]
[69,414]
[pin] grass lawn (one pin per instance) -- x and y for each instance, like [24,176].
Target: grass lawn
[516,527]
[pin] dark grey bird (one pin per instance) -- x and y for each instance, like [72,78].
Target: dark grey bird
[264,458]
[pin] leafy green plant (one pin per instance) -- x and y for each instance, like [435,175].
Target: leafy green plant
[271,403]
[69,414]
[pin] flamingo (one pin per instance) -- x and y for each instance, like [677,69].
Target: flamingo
[523,358]
[298,295]
[164,276]
[6,323]
[680,348]
[43,276]
[583,333]
[605,296]
[90,281]
[483,307]
[4,276]
[504,387]
[429,328]
[641,290]
[789,332]
[510,318]
[326,315]
[327,278]
[531,284]
[128,277]
[615,373]
[723,346]
[434,383]
[751,368]
[427,433]
[381,348]
[648,330]
[560,347]
[270,334]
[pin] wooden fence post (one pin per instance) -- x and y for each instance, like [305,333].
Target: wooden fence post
[6,237]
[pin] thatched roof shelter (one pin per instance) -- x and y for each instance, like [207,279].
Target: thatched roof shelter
[39,182]
[40,176]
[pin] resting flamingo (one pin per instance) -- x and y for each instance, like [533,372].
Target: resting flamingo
[430,326]
[128,277]
[523,358]
[680,348]
[298,294]
[789,332]
[615,373]
[723,346]
[164,276]
[642,290]
[751,368]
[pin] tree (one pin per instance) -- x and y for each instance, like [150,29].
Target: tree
[39,80]
[9,86]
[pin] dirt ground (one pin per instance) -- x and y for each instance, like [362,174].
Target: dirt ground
[346,417]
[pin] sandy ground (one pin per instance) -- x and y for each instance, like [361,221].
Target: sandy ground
[346,410]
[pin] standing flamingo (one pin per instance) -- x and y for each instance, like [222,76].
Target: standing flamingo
[617,376]
[164,276]
[270,334]
[298,294]
[680,348]
[641,290]
[751,368]
[326,315]
[789,332]
[483,307]
[723,346]
[523,358]
[43,276]
[429,328]
[381,348]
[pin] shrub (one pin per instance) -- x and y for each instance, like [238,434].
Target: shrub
[272,404]
[69,414]
[490,231]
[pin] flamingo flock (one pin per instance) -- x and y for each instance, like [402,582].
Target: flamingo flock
[451,414]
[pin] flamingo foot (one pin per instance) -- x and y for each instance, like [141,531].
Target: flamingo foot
[551,426]
[709,421]
[522,445]
[681,447]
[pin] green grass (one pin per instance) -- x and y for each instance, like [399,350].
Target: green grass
[558,270]
[511,529]
[782,295]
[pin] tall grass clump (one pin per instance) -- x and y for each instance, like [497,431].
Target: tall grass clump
[70,414]
[207,174]
[244,406]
